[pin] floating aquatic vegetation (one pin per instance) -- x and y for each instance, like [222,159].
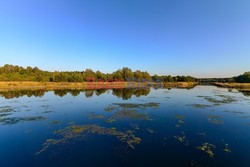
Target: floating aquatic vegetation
[224,99]
[235,112]
[127,114]
[6,109]
[48,143]
[182,138]
[96,116]
[45,106]
[4,114]
[226,148]
[78,131]
[131,114]
[137,105]
[48,111]
[215,120]
[15,120]
[56,122]
[110,108]
[207,148]
[110,120]
[128,110]
[180,119]
[199,105]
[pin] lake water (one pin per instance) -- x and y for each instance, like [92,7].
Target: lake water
[203,126]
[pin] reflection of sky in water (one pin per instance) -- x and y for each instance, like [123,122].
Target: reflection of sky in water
[177,127]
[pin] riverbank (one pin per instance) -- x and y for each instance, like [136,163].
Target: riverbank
[239,86]
[179,84]
[6,86]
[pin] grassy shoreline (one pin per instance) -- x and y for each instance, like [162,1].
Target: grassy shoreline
[179,84]
[6,86]
[239,86]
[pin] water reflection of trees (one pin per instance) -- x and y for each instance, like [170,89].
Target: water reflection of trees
[20,93]
[120,93]
[128,93]
[245,93]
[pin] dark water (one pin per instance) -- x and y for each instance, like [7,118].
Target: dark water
[203,126]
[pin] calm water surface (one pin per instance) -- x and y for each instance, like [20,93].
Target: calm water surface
[203,126]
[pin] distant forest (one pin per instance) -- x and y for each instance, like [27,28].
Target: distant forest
[18,73]
[244,78]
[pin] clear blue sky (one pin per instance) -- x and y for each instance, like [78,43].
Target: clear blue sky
[203,38]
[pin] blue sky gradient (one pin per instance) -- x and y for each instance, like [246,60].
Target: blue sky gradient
[208,38]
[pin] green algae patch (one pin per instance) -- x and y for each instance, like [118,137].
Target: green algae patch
[110,108]
[6,109]
[234,112]
[78,131]
[180,119]
[5,119]
[219,99]
[130,114]
[207,148]
[110,120]
[15,120]
[47,112]
[201,106]
[96,116]
[55,122]
[226,148]
[182,138]
[128,111]
[215,120]
[115,106]
[143,106]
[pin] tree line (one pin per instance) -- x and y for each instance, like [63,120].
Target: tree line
[18,73]
[244,78]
